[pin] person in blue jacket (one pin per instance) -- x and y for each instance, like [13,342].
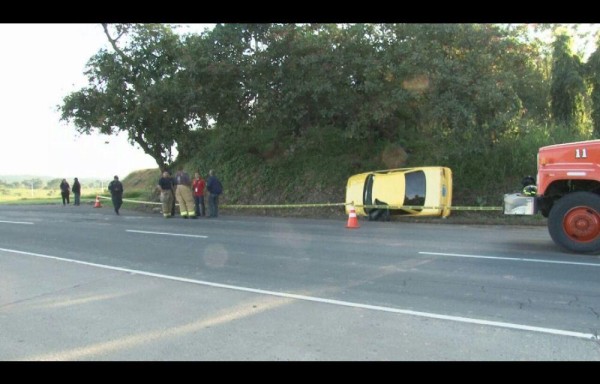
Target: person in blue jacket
[214,188]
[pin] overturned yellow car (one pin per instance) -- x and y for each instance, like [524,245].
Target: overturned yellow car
[419,191]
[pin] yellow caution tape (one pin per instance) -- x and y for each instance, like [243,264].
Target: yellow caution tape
[283,205]
[287,206]
[413,207]
[134,201]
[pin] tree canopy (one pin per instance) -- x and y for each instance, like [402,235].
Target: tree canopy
[251,93]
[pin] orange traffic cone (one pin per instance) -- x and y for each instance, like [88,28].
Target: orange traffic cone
[352,220]
[97,205]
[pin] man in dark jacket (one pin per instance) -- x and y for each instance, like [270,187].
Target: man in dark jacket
[76,191]
[116,192]
[165,186]
[65,191]
[214,187]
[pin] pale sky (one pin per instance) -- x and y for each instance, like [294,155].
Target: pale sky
[39,65]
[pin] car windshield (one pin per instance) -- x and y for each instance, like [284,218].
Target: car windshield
[415,189]
[368,191]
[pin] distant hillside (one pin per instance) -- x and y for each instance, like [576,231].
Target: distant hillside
[13,178]
[47,181]
[140,180]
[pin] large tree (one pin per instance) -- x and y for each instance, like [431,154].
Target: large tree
[593,75]
[135,88]
[254,92]
[567,87]
[278,87]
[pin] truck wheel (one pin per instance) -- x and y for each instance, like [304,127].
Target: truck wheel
[574,222]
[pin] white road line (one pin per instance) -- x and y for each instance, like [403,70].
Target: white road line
[166,233]
[510,259]
[458,319]
[15,222]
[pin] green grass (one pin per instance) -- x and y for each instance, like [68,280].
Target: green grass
[17,199]
[23,194]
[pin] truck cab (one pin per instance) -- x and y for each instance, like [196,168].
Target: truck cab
[568,194]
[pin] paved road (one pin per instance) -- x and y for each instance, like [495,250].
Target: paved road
[78,283]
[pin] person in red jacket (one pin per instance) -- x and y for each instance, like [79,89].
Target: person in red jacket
[198,185]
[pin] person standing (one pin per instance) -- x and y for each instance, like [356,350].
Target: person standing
[116,192]
[174,188]
[76,192]
[198,185]
[214,187]
[183,194]
[65,191]
[165,185]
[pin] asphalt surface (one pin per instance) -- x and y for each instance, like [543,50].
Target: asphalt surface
[81,283]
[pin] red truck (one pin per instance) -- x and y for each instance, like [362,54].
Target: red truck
[568,194]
